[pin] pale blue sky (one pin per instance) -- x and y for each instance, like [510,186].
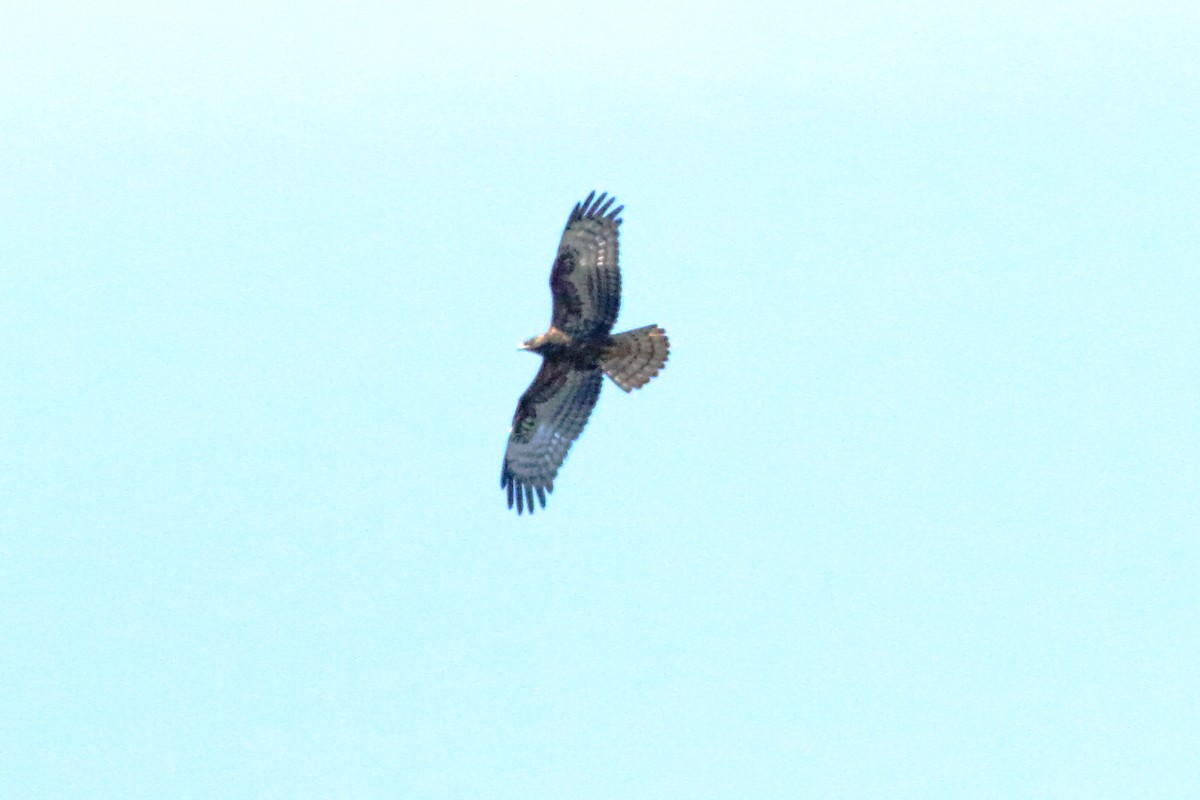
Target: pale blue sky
[912,512]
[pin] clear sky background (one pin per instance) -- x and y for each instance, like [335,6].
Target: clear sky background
[912,512]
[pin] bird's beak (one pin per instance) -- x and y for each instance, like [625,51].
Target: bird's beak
[522,346]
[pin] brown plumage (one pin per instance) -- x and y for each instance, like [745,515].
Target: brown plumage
[579,348]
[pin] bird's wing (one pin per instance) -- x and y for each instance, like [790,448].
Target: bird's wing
[586,281]
[550,415]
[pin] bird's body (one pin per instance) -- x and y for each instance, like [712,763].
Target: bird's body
[577,351]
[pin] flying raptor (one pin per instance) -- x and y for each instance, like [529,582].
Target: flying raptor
[576,352]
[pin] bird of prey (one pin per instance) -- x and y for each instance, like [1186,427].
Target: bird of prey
[579,348]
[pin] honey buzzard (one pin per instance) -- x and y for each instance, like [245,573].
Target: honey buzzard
[579,348]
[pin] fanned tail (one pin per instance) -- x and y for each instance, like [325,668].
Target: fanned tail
[636,356]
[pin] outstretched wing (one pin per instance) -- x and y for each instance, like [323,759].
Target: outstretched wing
[550,415]
[586,281]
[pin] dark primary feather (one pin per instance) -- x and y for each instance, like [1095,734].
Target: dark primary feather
[585,282]
[550,416]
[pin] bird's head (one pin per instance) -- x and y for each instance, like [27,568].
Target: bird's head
[550,337]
